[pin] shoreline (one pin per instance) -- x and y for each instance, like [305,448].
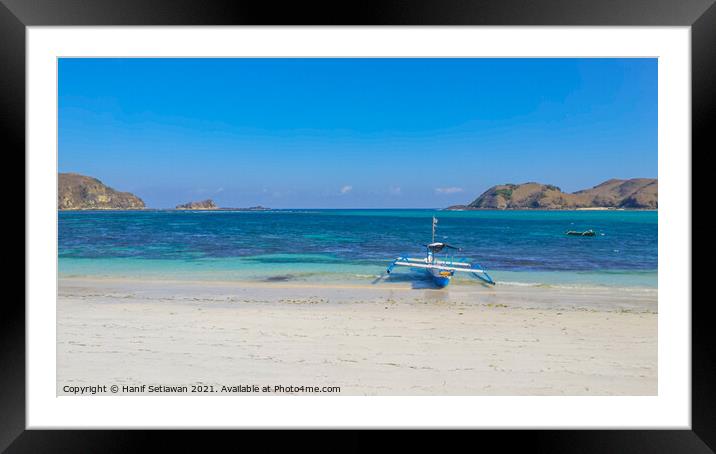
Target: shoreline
[374,278]
[369,283]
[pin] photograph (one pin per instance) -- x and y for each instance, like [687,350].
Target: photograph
[357,226]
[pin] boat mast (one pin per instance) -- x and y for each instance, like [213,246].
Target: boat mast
[435,221]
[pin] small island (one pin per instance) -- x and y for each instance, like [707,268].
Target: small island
[207,204]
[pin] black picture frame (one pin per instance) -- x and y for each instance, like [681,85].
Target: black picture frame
[700,15]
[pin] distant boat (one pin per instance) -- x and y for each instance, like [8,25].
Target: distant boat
[589,232]
[441,270]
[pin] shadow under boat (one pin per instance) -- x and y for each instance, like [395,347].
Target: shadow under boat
[418,280]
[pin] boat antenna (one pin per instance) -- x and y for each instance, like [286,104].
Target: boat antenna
[435,221]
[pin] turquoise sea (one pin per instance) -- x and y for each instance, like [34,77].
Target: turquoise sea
[516,247]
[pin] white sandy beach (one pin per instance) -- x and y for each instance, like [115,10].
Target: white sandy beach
[384,339]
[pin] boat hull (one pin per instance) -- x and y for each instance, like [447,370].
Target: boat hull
[441,279]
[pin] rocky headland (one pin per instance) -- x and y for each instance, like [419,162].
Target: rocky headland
[635,193]
[80,192]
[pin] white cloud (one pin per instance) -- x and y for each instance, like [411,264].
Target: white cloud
[346,189]
[394,190]
[450,190]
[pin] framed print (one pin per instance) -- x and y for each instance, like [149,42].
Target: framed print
[444,216]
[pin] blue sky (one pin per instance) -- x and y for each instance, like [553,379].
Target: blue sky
[373,133]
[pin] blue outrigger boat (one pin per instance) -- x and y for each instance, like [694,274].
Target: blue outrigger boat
[443,268]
